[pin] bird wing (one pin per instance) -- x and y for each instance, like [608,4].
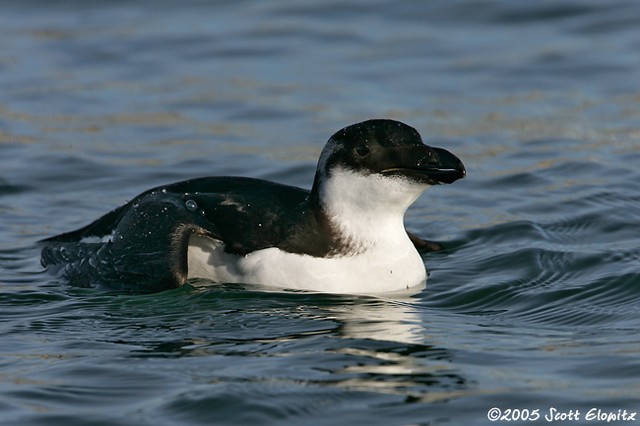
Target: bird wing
[147,250]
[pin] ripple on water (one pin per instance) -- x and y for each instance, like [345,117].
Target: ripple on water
[557,274]
[245,355]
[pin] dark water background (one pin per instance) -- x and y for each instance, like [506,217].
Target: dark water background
[534,305]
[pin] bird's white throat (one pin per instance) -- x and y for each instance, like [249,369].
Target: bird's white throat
[368,208]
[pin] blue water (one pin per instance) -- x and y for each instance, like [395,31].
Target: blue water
[533,305]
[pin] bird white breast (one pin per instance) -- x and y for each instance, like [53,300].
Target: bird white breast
[375,270]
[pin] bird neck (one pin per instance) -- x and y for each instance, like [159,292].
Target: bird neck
[366,209]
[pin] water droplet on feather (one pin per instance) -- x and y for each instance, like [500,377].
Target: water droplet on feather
[191,205]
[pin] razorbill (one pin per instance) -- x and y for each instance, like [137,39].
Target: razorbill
[346,235]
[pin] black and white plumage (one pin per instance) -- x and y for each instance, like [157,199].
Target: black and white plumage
[346,235]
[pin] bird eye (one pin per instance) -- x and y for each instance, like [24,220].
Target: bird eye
[362,150]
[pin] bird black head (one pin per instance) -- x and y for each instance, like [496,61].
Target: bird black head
[388,148]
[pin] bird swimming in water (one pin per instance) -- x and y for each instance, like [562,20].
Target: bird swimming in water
[345,235]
